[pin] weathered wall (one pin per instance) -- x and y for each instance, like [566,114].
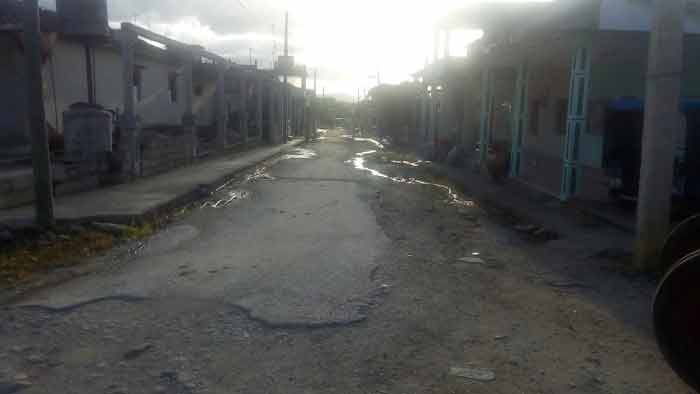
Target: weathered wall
[13,137]
[155,106]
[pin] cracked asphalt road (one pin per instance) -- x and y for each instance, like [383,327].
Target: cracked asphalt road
[314,277]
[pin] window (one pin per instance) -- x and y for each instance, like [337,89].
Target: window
[138,84]
[172,87]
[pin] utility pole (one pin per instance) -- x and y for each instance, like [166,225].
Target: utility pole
[41,156]
[662,122]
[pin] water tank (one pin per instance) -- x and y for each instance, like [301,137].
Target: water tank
[83,17]
[87,133]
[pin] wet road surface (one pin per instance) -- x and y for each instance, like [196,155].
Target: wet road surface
[330,271]
[292,245]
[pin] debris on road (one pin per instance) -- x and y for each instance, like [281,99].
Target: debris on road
[471,260]
[138,351]
[112,228]
[482,375]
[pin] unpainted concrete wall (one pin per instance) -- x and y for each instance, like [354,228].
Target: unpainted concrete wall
[13,136]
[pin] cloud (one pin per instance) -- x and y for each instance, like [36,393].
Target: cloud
[222,16]
[345,41]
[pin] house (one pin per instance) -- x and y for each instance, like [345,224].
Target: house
[560,87]
[163,103]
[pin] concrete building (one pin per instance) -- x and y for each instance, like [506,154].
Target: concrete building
[560,87]
[169,102]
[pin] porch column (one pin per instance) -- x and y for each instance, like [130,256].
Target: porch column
[259,89]
[576,120]
[243,118]
[272,120]
[520,115]
[448,41]
[486,110]
[424,112]
[221,112]
[188,118]
[129,144]
[280,102]
[304,118]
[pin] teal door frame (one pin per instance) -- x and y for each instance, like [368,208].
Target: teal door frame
[576,120]
[486,111]
[520,115]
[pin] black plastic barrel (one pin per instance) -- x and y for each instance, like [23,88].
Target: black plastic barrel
[684,240]
[677,318]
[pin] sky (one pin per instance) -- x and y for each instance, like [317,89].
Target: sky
[347,42]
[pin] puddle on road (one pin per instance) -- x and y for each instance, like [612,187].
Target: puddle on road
[359,162]
[414,164]
[361,139]
[300,153]
[231,197]
[234,190]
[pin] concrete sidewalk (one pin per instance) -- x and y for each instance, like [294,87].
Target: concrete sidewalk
[147,196]
[527,206]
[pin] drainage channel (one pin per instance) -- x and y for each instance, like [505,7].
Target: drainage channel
[235,191]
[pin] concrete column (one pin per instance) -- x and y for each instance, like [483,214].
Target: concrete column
[424,106]
[259,90]
[41,156]
[662,121]
[243,118]
[285,109]
[305,127]
[576,120]
[221,111]
[486,110]
[188,118]
[281,122]
[129,144]
[520,114]
[272,111]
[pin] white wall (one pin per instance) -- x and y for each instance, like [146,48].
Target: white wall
[155,106]
[13,134]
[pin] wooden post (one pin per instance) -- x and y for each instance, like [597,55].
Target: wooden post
[244,107]
[662,121]
[259,91]
[486,109]
[129,144]
[282,123]
[520,113]
[188,118]
[41,156]
[304,105]
[221,112]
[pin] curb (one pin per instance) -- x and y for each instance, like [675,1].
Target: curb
[179,200]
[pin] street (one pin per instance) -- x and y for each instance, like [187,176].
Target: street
[339,268]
